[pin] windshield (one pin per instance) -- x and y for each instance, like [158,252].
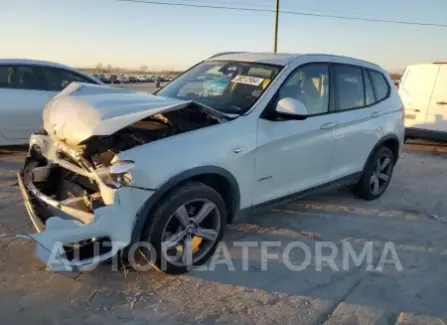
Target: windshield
[230,87]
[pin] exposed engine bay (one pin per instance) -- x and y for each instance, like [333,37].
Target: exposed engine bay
[100,150]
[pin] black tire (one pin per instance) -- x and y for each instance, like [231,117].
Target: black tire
[365,188]
[161,216]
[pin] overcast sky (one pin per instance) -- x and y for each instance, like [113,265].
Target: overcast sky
[85,32]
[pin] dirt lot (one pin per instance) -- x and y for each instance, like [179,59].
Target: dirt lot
[412,214]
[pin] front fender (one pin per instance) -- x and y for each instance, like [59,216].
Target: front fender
[144,213]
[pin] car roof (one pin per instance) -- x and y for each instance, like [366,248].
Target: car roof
[268,58]
[48,64]
[282,59]
[35,62]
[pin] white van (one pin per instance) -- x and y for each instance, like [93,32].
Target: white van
[423,90]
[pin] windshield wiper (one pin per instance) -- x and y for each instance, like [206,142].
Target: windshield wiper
[229,115]
[234,110]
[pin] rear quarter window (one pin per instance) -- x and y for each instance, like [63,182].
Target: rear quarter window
[380,84]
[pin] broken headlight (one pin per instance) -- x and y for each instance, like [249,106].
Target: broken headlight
[119,174]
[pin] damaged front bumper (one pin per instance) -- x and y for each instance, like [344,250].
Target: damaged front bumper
[74,233]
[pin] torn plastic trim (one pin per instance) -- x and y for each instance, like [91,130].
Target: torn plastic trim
[115,222]
[38,224]
[50,250]
[49,148]
[69,273]
[27,182]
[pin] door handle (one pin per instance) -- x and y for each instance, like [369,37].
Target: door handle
[329,125]
[441,103]
[417,110]
[375,114]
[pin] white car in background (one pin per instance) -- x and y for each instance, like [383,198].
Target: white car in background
[26,86]
[235,133]
[423,90]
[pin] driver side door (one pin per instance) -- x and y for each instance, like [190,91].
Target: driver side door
[296,155]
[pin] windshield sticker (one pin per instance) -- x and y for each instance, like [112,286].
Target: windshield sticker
[247,80]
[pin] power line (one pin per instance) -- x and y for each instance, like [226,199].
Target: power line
[275,40]
[212,2]
[298,13]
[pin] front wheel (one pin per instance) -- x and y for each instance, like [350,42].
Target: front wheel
[186,227]
[376,175]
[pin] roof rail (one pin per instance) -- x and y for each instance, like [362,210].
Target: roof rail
[440,62]
[223,53]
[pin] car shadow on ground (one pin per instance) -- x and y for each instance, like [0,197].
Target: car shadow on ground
[419,243]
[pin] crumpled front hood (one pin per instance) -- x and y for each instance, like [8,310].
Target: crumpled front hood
[83,110]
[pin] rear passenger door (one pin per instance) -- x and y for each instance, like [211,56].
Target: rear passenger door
[358,117]
[23,96]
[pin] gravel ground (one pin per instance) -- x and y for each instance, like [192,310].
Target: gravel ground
[412,215]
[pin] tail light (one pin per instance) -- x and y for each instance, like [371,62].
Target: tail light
[402,109]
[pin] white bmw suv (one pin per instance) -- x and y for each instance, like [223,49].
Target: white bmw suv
[236,132]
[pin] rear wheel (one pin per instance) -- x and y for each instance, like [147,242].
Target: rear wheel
[376,175]
[186,227]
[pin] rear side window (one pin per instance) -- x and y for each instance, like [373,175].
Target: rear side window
[381,86]
[350,88]
[21,77]
[58,79]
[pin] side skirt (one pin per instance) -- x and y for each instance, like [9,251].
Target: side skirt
[333,185]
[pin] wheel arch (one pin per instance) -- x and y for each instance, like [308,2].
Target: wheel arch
[217,178]
[390,141]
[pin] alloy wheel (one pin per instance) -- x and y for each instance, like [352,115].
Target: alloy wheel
[381,175]
[191,231]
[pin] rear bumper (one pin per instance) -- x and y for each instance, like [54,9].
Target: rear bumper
[71,241]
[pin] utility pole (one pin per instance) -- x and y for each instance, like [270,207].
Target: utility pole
[275,46]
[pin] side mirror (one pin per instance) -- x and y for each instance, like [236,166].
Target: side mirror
[290,108]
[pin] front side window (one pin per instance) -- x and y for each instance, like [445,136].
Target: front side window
[380,84]
[58,79]
[310,85]
[350,89]
[227,86]
[21,77]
